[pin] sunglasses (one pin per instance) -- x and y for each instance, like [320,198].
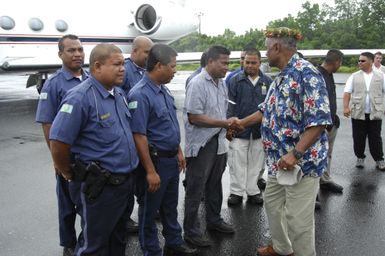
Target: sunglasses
[361,61]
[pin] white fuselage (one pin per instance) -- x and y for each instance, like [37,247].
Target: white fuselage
[116,21]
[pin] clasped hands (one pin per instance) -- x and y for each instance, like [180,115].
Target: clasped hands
[234,126]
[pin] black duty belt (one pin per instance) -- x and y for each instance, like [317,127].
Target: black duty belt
[168,154]
[118,178]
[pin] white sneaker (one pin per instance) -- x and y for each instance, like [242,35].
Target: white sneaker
[360,162]
[380,165]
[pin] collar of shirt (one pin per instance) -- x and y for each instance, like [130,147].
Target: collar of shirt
[253,81]
[100,88]
[138,68]
[209,78]
[68,75]
[152,85]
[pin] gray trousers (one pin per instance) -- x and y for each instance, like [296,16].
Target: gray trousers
[204,178]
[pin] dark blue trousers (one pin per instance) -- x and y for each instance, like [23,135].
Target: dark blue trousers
[165,200]
[67,214]
[102,221]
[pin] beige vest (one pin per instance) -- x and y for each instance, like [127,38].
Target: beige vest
[376,96]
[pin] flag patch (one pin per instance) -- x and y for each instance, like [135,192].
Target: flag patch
[66,108]
[133,105]
[43,96]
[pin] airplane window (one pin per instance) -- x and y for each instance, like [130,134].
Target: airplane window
[61,25]
[7,22]
[36,24]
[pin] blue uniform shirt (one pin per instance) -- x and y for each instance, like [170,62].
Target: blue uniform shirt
[132,75]
[154,114]
[53,93]
[96,125]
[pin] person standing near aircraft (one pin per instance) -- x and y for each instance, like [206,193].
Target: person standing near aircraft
[238,70]
[203,61]
[246,160]
[377,62]
[330,65]
[70,75]
[205,122]
[364,102]
[92,146]
[157,138]
[135,67]
[293,120]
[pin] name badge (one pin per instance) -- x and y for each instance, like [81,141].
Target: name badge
[264,89]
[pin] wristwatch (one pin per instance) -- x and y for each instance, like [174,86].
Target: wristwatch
[298,155]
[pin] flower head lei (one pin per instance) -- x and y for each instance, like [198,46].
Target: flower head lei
[283,32]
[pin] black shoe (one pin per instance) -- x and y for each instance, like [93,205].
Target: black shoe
[234,200]
[132,226]
[256,199]
[222,227]
[332,187]
[261,184]
[67,251]
[182,249]
[198,241]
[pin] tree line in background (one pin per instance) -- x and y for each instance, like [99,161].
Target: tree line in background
[350,24]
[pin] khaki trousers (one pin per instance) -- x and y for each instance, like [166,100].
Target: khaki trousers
[290,212]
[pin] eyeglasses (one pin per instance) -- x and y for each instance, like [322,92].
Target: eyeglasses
[361,61]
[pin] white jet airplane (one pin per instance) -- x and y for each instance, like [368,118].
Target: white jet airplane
[30,30]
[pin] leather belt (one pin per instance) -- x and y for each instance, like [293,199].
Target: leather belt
[167,154]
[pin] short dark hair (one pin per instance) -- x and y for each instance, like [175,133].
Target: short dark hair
[204,59]
[368,54]
[101,52]
[161,53]
[333,55]
[61,40]
[215,51]
[378,53]
[252,51]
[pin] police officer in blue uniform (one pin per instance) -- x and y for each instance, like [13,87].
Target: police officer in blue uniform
[92,146]
[135,67]
[70,75]
[157,137]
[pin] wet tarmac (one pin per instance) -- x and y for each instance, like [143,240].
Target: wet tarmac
[352,223]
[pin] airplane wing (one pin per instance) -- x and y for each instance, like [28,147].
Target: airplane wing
[194,57]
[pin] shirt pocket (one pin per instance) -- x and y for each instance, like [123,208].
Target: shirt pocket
[109,131]
[162,113]
[379,103]
[356,102]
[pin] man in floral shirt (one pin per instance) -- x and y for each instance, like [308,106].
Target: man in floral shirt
[293,116]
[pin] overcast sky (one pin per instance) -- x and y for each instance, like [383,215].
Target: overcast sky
[241,15]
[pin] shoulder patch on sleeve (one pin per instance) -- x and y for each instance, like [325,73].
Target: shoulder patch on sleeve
[66,108]
[43,96]
[133,105]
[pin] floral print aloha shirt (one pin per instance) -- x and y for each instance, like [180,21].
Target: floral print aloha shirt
[297,99]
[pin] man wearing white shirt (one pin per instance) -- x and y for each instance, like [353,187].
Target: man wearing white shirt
[364,102]
[377,62]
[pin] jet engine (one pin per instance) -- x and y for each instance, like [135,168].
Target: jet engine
[146,19]
[164,21]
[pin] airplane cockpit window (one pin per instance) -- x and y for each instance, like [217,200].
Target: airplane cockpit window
[7,23]
[36,24]
[61,25]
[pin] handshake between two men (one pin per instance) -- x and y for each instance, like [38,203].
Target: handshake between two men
[236,125]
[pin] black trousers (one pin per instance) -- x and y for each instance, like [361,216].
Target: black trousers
[370,129]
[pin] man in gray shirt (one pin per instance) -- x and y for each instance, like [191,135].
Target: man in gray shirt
[206,146]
